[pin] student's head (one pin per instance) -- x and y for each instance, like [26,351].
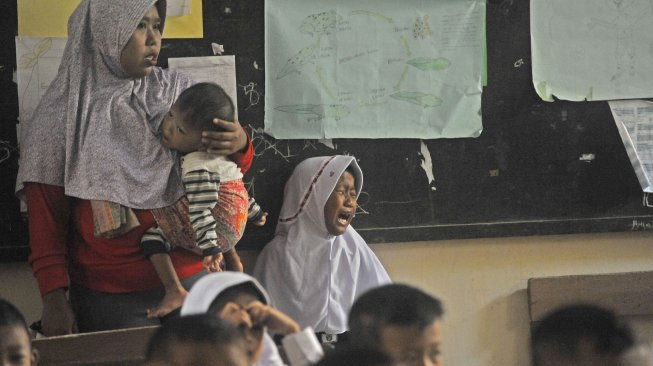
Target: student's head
[580,335]
[355,355]
[321,195]
[192,113]
[140,53]
[15,342]
[215,291]
[400,320]
[340,208]
[200,340]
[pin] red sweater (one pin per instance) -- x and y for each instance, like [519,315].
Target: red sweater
[59,255]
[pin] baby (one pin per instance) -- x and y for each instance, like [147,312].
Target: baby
[218,201]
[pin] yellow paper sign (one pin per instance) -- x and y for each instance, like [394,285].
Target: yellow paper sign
[48,18]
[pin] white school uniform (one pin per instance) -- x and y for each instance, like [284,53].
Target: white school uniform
[310,274]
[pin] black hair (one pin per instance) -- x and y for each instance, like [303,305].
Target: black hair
[563,329]
[200,328]
[10,315]
[355,355]
[201,103]
[393,304]
[352,171]
[230,294]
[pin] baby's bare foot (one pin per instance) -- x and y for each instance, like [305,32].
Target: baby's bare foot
[171,301]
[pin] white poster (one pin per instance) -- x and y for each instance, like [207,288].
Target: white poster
[37,60]
[592,49]
[634,119]
[373,69]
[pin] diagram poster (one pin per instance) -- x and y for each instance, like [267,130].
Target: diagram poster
[592,49]
[373,69]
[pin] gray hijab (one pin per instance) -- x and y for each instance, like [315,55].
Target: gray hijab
[96,131]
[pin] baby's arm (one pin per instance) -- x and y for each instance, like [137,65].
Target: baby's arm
[255,213]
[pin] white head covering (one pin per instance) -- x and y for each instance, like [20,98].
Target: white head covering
[209,287]
[95,130]
[310,274]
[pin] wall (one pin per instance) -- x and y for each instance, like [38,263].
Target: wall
[481,282]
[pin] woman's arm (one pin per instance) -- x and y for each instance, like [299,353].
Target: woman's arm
[48,210]
[233,141]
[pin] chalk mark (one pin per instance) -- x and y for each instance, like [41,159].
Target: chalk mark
[251,92]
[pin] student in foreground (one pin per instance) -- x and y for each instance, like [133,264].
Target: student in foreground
[317,265]
[585,335]
[347,354]
[400,320]
[240,299]
[15,341]
[199,340]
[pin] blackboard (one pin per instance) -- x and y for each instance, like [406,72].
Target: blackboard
[538,167]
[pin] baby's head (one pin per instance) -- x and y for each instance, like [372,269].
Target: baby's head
[15,341]
[400,320]
[192,113]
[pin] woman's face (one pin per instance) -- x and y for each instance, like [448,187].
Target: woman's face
[142,50]
[15,347]
[340,208]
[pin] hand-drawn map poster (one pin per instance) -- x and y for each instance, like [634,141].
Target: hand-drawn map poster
[373,69]
[592,49]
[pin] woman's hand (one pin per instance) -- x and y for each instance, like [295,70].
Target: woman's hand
[57,317]
[227,142]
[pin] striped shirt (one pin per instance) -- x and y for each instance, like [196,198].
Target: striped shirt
[202,174]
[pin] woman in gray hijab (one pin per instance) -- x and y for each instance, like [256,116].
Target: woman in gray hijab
[103,177]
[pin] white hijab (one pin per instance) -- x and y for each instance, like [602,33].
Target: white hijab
[95,131]
[310,274]
[209,287]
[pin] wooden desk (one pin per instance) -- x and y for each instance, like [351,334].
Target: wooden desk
[627,294]
[115,347]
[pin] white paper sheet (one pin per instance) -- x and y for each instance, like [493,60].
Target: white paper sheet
[37,60]
[373,69]
[634,119]
[217,69]
[178,8]
[592,49]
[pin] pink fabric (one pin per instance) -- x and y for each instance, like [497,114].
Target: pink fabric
[230,214]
